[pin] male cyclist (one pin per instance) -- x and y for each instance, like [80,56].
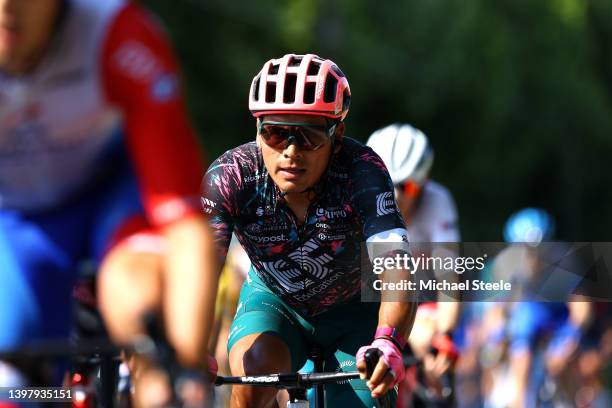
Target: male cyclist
[97,159]
[528,261]
[430,214]
[301,199]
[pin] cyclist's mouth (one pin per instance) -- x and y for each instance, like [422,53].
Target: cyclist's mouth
[8,35]
[290,173]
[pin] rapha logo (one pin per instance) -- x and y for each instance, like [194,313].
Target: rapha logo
[385,204]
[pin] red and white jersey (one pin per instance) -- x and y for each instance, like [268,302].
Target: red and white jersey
[108,73]
[435,219]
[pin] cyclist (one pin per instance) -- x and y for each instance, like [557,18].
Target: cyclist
[301,199]
[430,214]
[97,159]
[562,324]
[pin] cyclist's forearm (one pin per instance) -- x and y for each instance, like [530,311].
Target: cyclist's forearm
[447,316]
[190,288]
[399,315]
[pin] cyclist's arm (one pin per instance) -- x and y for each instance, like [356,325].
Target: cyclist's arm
[141,78]
[385,234]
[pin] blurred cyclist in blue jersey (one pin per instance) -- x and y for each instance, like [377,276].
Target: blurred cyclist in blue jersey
[530,321]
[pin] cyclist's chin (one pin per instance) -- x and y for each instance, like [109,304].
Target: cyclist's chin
[292,186]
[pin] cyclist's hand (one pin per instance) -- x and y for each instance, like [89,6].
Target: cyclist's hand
[213,368]
[389,370]
[444,345]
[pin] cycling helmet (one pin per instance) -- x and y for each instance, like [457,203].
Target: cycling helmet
[405,151]
[303,84]
[532,225]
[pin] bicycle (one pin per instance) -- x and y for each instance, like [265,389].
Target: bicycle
[297,384]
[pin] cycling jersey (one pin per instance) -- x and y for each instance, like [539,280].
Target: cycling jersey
[318,264]
[435,219]
[108,67]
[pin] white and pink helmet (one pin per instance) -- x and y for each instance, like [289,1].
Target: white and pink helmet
[300,84]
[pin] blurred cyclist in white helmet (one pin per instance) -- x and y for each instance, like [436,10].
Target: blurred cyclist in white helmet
[430,215]
[427,207]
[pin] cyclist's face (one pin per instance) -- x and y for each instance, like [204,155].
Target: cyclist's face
[25,29]
[299,164]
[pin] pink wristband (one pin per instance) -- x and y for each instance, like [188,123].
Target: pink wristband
[392,333]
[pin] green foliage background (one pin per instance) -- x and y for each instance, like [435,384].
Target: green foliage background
[515,95]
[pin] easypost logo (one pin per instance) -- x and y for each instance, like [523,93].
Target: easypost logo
[266,240]
[385,204]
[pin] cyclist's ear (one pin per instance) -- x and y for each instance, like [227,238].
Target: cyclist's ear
[339,131]
[338,134]
[257,133]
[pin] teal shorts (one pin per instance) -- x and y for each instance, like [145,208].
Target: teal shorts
[339,331]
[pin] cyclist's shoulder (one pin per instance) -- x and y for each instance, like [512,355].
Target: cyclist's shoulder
[240,164]
[357,158]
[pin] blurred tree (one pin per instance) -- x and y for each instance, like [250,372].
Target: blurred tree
[516,95]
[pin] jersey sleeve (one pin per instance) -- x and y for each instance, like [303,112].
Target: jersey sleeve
[374,199]
[219,201]
[140,76]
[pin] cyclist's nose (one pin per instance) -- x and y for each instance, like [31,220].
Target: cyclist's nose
[292,148]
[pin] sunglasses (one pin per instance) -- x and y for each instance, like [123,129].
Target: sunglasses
[307,136]
[409,188]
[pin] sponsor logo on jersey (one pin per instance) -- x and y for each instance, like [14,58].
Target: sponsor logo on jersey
[252,178]
[300,270]
[325,237]
[207,205]
[385,204]
[256,228]
[331,213]
[137,61]
[259,211]
[265,240]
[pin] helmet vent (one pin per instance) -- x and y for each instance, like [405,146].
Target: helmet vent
[313,68]
[346,100]
[331,84]
[256,88]
[337,71]
[309,92]
[295,61]
[271,92]
[289,94]
[273,69]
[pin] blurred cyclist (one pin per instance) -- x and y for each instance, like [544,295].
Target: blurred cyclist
[430,215]
[301,199]
[561,324]
[97,159]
